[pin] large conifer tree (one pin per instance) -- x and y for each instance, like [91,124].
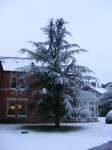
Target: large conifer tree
[57,78]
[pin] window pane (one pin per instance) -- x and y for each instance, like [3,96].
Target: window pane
[92,111]
[96,103]
[21,108]
[11,108]
[13,84]
[13,80]
[91,103]
[21,81]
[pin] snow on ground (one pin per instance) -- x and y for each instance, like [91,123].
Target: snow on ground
[83,137]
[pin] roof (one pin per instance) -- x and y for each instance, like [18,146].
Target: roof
[108,84]
[107,95]
[13,64]
[99,89]
[86,96]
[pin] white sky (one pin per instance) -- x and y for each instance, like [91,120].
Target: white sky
[90,25]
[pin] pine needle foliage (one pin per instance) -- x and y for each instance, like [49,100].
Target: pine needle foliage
[56,76]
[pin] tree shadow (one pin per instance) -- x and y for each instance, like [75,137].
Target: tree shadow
[51,128]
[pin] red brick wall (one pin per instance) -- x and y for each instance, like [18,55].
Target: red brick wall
[7,92]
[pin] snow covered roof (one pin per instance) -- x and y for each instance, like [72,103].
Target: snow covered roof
[107,85]
[13,64]
[99,89]
[107,95]
[86,96]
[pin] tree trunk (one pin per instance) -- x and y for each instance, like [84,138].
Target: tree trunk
[57,121]
[57,124]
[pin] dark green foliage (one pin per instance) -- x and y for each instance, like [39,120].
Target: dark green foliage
[105,108]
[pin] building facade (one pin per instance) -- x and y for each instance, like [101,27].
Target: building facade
[20,106]
[15,104]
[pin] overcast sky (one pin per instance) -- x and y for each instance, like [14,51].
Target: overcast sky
[90,22]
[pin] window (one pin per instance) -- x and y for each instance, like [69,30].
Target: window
[93,84]
[96,103]
[22,108]
[13,80]
[17,108]
[91,103]
[91,108]
[84,103]
[11,108]
[21,81]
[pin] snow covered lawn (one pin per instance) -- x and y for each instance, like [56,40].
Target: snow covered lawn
[82,136]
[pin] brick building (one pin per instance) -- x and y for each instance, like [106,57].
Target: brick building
[14,104]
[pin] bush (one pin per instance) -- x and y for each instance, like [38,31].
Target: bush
[109,117]
[104,109]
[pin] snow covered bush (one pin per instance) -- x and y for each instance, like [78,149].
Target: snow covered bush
[109,117]
[56,75]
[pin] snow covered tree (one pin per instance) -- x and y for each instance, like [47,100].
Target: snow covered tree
[56,76]
[106,101]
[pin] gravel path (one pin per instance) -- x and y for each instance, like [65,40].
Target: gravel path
[106,146]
